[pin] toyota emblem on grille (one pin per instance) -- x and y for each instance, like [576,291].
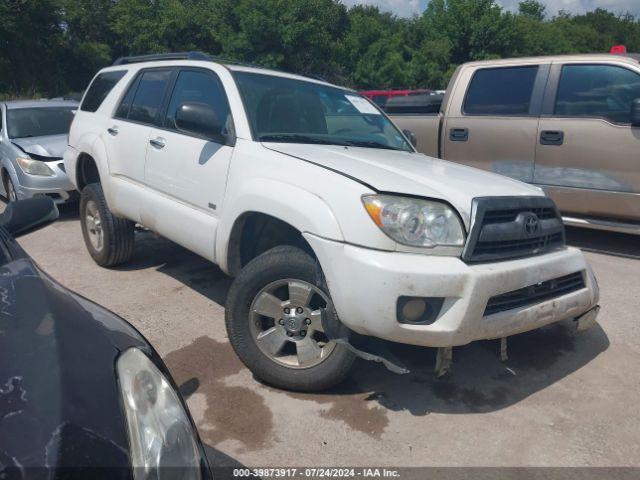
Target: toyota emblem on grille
[531,224]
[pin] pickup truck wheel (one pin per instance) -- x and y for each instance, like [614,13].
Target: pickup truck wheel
[108,238]
[274,321]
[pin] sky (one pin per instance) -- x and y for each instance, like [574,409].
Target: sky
[407,8]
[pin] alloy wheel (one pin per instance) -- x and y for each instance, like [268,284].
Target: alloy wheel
[286,323]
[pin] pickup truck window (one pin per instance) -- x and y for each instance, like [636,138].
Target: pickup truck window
[147,99]
[504,91]
[199,86]
[597,91]
[296,111]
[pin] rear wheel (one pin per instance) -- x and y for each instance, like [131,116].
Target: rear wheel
[274,321]
[109,239]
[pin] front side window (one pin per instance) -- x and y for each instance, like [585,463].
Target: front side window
[296,111]
[99,89]
[193,86]
[39,122]
[148,97]
[597,91]
[502,91]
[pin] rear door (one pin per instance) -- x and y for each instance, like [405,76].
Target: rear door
[127,137]
[493,125]
[587,153]
[186,174]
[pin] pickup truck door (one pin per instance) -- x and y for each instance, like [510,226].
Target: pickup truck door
[493,124]
[587,152]
[186,173]
[126,137]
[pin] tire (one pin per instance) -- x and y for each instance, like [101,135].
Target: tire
[10,189]
[295,267]
[117,234]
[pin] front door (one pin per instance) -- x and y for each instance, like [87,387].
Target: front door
[587,152]
[186,173]
[493,125]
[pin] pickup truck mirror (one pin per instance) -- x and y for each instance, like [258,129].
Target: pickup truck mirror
[25,216]
[201,120]
[411,136]
[635,113]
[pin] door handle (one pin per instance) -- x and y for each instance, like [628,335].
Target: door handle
[551,137]
[158,143]
[459,134]
[113,130]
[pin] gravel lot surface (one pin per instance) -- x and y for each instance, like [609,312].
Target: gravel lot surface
[557,401]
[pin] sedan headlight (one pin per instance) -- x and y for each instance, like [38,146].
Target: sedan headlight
[415,222]
[34,167]
[160,433]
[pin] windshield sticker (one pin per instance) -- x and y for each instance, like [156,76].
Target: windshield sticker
[362,105]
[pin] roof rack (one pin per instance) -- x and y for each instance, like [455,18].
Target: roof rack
[162,56]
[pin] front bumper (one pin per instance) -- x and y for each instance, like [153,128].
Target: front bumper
[58,187]
[365,285]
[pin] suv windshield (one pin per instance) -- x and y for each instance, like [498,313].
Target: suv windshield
[39,122]
[287,110]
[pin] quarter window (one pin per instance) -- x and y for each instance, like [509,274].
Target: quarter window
[501,91]
[148,97]
[193,86]
[99,89]
[597,91]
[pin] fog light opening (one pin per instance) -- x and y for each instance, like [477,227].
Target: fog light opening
[418,310]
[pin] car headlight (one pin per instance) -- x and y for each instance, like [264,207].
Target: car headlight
[415,222]
[160,433]
[34,167]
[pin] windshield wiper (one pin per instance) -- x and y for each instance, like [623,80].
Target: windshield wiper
[297,138]
[371,144]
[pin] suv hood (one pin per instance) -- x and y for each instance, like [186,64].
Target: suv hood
[43,148]
[411,173]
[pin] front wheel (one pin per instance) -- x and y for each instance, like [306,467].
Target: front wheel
[10,189]
[109,239]
[274,321]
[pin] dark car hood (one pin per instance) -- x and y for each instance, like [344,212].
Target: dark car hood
[52,146]
[59,399]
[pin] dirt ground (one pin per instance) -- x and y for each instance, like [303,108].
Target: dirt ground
[557,401]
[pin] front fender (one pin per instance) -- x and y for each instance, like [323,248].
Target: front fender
[301,209]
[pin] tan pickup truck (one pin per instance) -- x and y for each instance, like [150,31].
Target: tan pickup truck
[569,124]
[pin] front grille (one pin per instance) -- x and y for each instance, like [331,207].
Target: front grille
[511,227]
[533,294]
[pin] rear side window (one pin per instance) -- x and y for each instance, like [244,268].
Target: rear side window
[193,86]
[500,91]
[148,96]
[597,91]
[99,89]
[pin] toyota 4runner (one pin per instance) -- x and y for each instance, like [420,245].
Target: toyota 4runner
[335,229]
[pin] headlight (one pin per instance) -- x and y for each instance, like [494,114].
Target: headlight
[160,433]
[415,222]
[34,167]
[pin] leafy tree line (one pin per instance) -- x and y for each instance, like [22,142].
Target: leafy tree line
[53,47]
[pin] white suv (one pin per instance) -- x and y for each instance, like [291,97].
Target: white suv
[335,229]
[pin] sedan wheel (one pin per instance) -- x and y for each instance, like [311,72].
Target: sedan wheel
[11,191]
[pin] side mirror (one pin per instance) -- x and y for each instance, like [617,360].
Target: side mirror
[201,120]
[25,216]
[635,113]
[411,136]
